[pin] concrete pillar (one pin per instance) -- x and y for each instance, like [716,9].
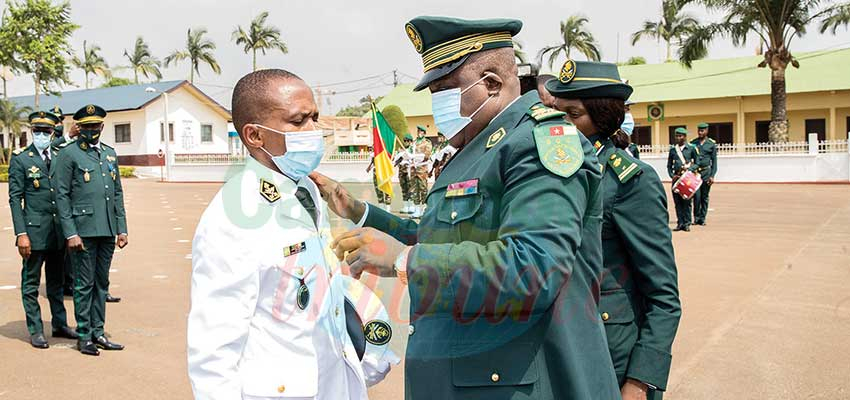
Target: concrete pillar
[656,133]
[741,137]
[813,143]
[832,133]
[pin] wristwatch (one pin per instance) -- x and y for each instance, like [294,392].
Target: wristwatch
[400,265]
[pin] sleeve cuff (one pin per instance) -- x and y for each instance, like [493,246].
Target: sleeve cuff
[71,237]
[363,218]
[22,233]
[650,366]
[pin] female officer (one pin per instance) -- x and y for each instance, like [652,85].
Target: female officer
[639,303]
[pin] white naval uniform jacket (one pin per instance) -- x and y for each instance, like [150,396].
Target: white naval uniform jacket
[247,337]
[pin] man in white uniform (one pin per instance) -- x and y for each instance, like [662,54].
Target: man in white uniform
[267,317]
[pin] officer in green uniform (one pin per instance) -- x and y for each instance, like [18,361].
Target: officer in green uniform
[640,297]
[402,164]
[90,200]
[422,148]
[707,148]
[67,267]
[59,128]
[32,199]
[682,157]
[500,266]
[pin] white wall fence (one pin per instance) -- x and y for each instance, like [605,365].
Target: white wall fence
[824,161]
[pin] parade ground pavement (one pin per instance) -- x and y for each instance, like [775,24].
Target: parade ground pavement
[764,289]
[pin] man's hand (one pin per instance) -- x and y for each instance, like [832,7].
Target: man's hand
[24,246]
[339,200]
[74,132]
[634,390]
[122,240]
[368,250]
[76,243]
[710,181]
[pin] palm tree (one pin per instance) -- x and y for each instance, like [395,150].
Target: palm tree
[776,23]
[142,61]
[259,37]
[574,35]
[92,62]
[674,25]
[839,17]
[14,119]
[519,53]
[198,50]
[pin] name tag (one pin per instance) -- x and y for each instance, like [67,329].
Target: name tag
[294,249]
[464,188]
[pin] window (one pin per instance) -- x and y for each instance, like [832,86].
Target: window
[762,131]
[206,133]
[170,132]
[22,140]
[122,133]
[672,132]
[642,135]
[846,131]
[721,132]
[816,126]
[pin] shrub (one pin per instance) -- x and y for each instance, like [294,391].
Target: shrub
[127,172]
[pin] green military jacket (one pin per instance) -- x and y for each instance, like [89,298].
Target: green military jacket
[502,300]
[640,296]
[89,195]
[707,157]
[32,199]
[634,150]
[674,163]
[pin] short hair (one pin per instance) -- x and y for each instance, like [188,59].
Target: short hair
[251,97]
[543,78]
[607,114]
[502,61]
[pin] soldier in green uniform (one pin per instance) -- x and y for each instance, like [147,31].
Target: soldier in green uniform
[90,200]
[640,296]
[67,267]
[707,161]
[402,164]
[500,266]
[628,127]
[383,198]
[682,157]
[32,199]
[421,167]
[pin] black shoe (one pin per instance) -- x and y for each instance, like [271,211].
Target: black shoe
[686,228]
[678,228]
[110,299]
[38,341]
[104,343]
[65,332]
[68,292]
[88,348]
[702,223]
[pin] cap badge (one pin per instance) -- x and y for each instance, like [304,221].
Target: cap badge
[568,72]
[414,36]
[90,109]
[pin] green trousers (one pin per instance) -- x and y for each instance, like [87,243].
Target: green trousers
[68,270]
[30,281]
[404,182]
[383,198]
[91,270]
[701,202]
[683,210]
[419,187]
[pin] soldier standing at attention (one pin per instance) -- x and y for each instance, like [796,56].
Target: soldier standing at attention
[67,269]
[402,164]
[32,200]
[640,296]
[628,128]
[419,176]
[500,301]
[90,200]
[707,150]
[683,157]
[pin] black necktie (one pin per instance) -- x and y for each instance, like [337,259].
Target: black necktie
[46,158]
[303,196]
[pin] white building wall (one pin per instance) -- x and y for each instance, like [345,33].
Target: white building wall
[187,112]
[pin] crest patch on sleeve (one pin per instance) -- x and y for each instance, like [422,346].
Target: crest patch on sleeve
[559,148]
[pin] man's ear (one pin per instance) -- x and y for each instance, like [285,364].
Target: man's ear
[493,82]
[251,136]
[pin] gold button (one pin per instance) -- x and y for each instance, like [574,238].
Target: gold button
[605,316]
[495,377]
[336,312]
[454,214]
[281,389]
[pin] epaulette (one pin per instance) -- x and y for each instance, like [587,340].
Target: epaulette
[623,165]
[559,147]
[18,151]
[539,112]
[65,144]
[712,140]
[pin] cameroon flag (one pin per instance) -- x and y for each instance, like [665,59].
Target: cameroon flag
[383,140]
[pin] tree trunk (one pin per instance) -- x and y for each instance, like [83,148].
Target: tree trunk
[255,59]
[778,129]
[37,91]
[668,51]
[191,74]
[87,80]
[5,91]
[136,75]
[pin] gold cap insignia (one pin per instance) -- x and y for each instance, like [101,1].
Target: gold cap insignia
[269,191]
[378,332]
[568,72]
[41,114]
[414,36]
[496,137]
[90,109]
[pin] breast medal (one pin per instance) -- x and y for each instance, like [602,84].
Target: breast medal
[35,184]
[302,298]
[86,176]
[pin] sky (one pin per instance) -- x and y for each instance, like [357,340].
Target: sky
[333,41]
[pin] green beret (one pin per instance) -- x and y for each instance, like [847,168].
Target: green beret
[588,79]
[43,119]
[407,136]
[445,43]
[702,125]
[421,128]
[90,114]
[681,131]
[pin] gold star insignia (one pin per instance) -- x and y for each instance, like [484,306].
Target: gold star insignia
[269,191]
[496,137]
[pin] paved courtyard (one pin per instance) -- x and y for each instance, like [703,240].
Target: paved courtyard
[764,290]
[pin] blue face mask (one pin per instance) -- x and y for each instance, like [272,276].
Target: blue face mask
[445,105]
[304,152]
[40,140]
[628,124]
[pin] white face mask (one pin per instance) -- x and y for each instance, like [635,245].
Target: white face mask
[304,152]
[445,105]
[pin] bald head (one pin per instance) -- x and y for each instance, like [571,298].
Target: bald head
[253,95]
